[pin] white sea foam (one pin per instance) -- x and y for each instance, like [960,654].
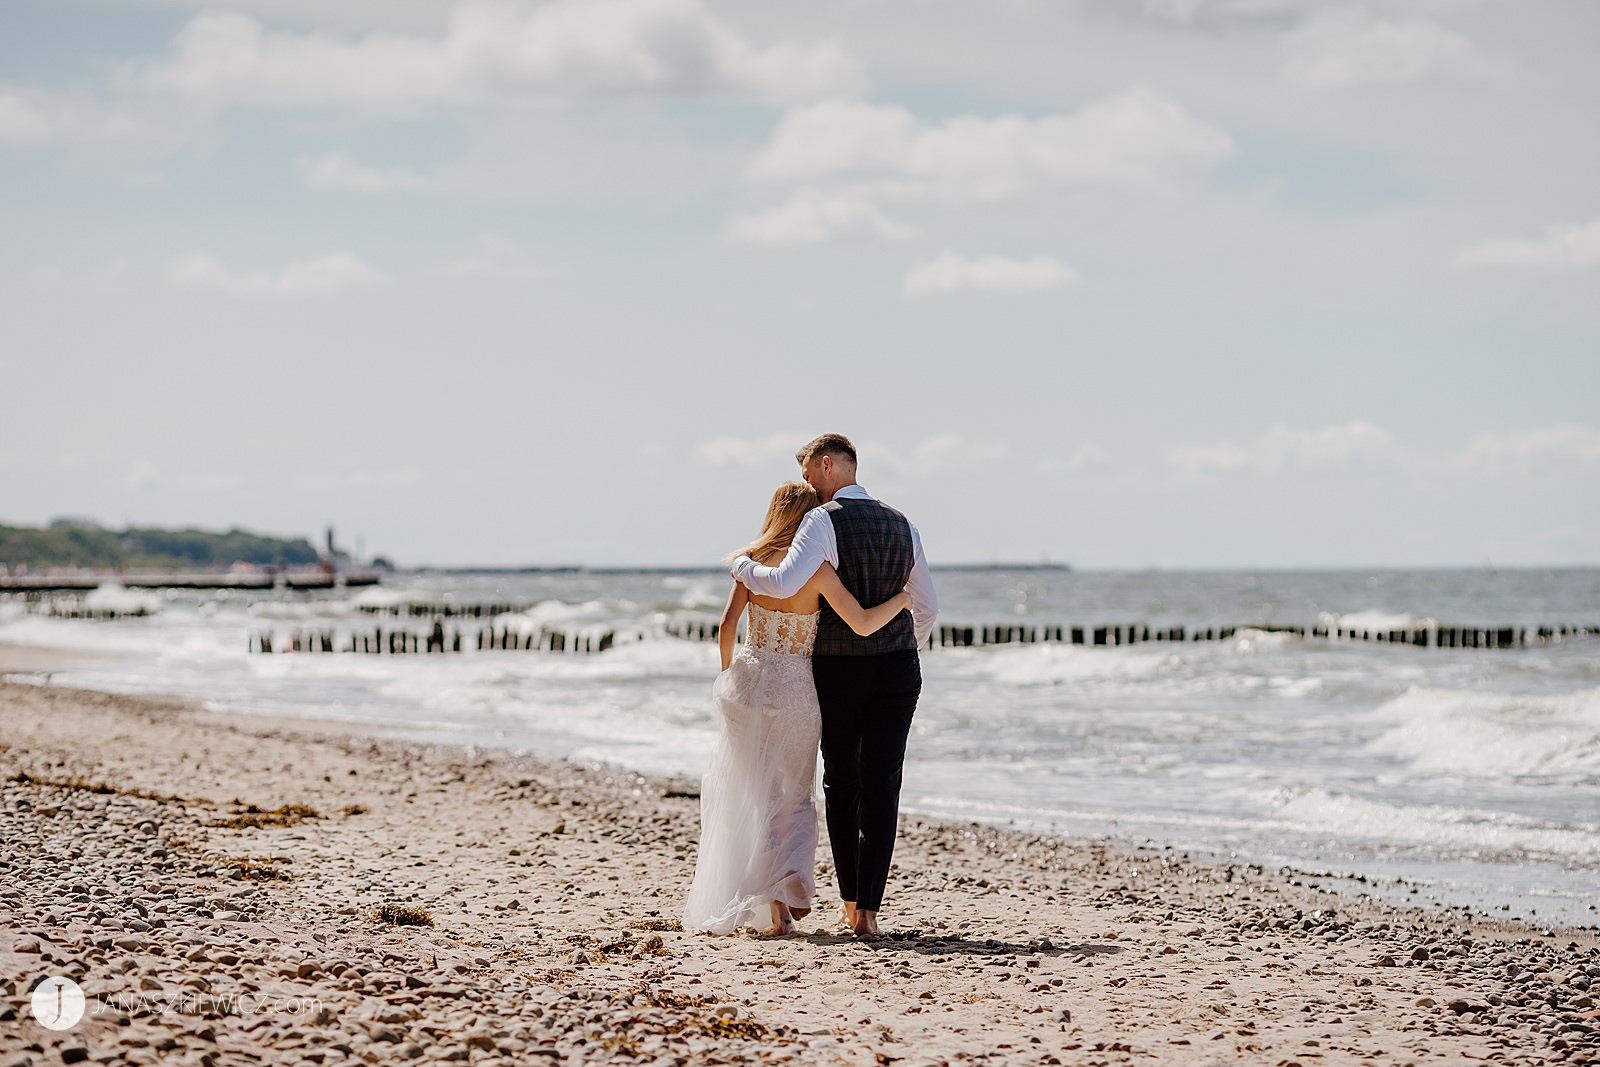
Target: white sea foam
[1294,687]
[1440,829]
[698,592]
[1250,641]
[1443,731]
[1052,664]
[1376,621]
[557,614]
[302,610]
[115,597]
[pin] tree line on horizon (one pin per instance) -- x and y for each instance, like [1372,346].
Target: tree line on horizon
[85,545]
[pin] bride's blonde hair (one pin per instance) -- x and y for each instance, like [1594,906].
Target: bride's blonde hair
[790,502]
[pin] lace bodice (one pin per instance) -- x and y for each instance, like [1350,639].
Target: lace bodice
[783,632]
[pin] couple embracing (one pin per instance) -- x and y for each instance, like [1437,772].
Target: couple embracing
[839,601]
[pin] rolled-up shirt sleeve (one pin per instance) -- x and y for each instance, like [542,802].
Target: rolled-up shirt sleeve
[919,586]
[813,545]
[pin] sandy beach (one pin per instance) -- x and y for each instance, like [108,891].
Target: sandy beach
[216,883]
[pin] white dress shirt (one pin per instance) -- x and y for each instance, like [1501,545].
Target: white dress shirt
[815,544]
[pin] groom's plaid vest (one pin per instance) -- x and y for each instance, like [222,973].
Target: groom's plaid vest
[875,559]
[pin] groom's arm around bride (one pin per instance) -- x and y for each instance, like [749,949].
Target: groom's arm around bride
[817,542]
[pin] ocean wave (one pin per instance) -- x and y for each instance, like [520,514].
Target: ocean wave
[560,613]
[1445,731]
[301,610]
[114,597]
[1249,641]
[380,596]
[1448,831]
[1376,621]
[1046,665]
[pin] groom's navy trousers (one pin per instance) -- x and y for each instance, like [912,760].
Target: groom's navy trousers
[867,705]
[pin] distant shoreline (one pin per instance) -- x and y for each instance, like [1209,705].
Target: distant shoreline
[978,568]
[692,569]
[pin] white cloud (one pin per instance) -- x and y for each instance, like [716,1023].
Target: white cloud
[1355,445]
[37,116]
[931,457]
[1522,451]
[811,217]
[927,458]
[1343,48]
[326,275]
[947,452]
[950,272]
[494,256]
[338,171]
[1203,11]
[1361,446]
[1201,457]
[1575,245]
[1139,139]
[773,449]
[494,51]
[1083,456]
[141,477]
[24,115]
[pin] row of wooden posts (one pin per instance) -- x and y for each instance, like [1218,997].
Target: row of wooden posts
[402,641]
[443,608]
[1436,636]
[73,610]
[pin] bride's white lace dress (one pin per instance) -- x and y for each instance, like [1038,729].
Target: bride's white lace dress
[758,819]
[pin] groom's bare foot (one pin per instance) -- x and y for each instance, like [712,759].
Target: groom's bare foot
[866,923]
[782,918]
[847,913]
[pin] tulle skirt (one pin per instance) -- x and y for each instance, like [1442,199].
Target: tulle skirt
[758,816]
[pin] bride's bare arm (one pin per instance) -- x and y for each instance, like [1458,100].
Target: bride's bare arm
[728,629]
[863,621]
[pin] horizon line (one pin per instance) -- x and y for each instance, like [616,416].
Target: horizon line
[717,568]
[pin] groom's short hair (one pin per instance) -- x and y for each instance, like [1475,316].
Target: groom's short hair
[829,444]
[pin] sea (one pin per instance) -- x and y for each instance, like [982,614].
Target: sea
[1453,778]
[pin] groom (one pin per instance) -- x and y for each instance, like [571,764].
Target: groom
[867,686]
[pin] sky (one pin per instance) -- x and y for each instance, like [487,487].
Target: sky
[1114,283]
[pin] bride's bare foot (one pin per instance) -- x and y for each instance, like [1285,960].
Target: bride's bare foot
[782,918]
[799,913]
[866,923]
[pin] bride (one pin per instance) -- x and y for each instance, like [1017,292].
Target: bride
[758,822]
